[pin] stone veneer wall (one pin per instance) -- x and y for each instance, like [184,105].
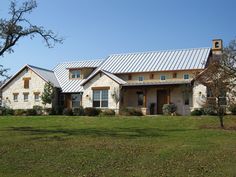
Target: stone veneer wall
[36,84]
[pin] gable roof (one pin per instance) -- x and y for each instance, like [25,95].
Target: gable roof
[62,74]
[182,59]
[110,75]
[45,74]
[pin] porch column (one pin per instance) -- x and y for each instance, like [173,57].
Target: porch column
[168,96]
[145,98]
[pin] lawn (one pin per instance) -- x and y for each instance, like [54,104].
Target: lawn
[117,146]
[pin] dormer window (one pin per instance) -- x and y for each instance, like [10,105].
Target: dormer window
[74,74]
[141,78]
[163,77]
[186,76]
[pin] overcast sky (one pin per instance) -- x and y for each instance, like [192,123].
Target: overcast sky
[94,29]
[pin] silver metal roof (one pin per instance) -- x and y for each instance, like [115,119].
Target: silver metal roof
[46,74]
[182,59]
[62,74]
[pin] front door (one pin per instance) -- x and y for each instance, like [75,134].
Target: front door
[161,100]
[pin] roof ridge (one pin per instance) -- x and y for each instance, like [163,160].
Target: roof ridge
[165,50]
[39,68]
[80,61]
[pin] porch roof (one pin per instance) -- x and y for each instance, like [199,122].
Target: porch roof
[158,83]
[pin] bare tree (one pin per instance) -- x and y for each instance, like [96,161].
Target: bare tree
[18,26]
[220,82]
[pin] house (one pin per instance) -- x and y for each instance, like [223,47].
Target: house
[145,81]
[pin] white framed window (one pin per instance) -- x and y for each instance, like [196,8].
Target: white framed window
[186,76]
[74,74]
[15,97]
[141,78]
[76,98]
[36,97]
[162,77]
[100,98]
[26,97]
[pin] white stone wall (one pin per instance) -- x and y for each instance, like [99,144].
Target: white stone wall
[199,95]
[36,84]
[100,81]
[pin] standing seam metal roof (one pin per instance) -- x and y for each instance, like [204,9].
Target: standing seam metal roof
[183,59]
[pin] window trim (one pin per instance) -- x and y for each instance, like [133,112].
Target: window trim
[100,98]
[36,93]
[15,94]
[75,70]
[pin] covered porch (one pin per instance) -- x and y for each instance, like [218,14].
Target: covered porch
[150,98]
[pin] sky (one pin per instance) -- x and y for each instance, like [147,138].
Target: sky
[94,29]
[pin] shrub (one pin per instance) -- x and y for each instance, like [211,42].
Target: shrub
[20,112]
[197,112]
[78,111]
[67,112]
[91,111]
[169,109]
[7,111]
[31,112]
[59,110]
[232,109]
[130,112]
[108,112]
[38,109]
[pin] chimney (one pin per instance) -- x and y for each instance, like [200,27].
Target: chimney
[217,47]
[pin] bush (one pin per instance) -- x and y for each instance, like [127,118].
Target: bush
[108,112]
[59,110]
[91,111]
[20,112]
[169,109]
[38,109]
[67,112]
[31,112]
[232,109]
[197,112]
[130,112]
[78,111]
[7,111]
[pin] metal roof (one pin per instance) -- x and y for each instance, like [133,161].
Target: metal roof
[46,74]
[182,59]
[62,74]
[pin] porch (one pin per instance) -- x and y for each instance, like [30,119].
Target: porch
[151,98]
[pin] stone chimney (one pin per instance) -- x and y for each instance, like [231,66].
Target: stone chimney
[217,47]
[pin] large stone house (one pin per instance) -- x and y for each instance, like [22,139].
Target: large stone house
[145,81]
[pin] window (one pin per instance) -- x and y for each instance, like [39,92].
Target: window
[174,75]
[76,98]
[141,78]
[15,96]
[62,100]
[186,98]
[26,96]
[36,96]
[140,98]
[186,76]
[26,83]
[74,74]
[163,77]
[151,76]
[100,98]
[129,77]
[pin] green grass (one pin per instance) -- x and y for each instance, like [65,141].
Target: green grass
[116,147]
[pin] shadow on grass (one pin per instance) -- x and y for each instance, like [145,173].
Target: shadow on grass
[58,133]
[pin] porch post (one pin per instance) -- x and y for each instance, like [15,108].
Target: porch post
[168,96]
[145,98]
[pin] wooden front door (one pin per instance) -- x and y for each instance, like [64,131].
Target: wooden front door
[161,100]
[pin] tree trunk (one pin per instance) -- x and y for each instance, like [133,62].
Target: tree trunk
[221,121]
